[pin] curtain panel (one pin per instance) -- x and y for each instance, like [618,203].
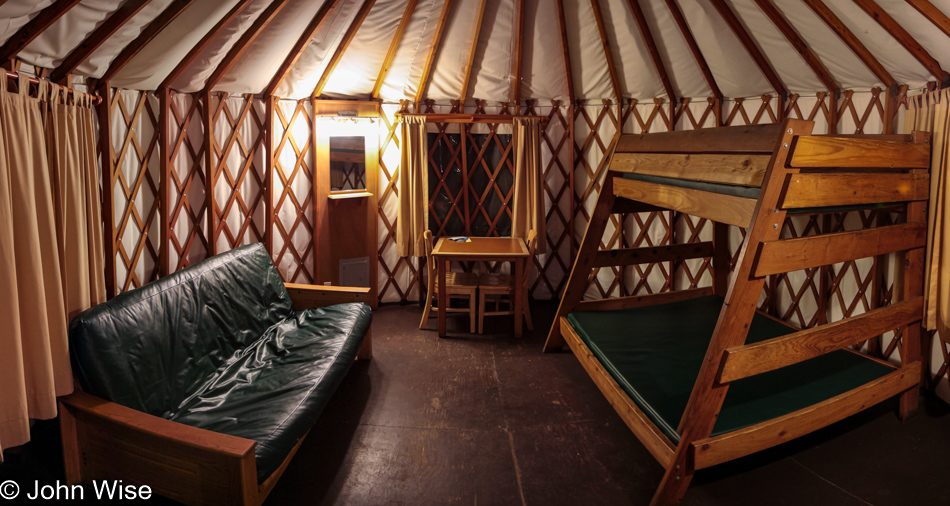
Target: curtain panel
[527,209]
[930,112]
[413,185]
[50,247]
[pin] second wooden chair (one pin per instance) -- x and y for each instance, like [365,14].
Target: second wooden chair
[459,285]
[499,289]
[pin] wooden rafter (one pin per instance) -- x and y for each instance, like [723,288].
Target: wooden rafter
[245,42]
[518,57]
[300,46]
[466,76]
[33,28]
[935,15]
[800,45]
[845,34]
[186,61]
[340,49]
[433,51]
[566,49]
[154,28]
[694,47]
[651,46]
[397,38]
[903,37]
[763,63]
[608,54]
[96,38]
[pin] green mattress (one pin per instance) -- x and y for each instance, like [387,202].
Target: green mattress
[655,353]
[744,191]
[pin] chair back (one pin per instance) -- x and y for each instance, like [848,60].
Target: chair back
[430,263]
[532,241]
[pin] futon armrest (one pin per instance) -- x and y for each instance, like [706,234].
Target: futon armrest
[103,440]
[314,296]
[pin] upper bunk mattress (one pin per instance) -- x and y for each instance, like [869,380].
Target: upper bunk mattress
[655,354]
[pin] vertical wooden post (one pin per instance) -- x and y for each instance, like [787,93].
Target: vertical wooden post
[824,281]
[106,153]
[833,116]
[269,166]
[466,178]
[210,171]
[164,100]
[911,349]
[573,207]
[721,258]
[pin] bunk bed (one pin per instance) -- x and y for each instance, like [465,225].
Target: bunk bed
[700,375]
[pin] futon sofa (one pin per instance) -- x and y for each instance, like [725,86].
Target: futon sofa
[203,384]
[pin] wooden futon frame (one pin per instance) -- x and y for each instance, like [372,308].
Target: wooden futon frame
[785,382]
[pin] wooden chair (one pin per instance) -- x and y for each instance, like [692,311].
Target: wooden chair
[500,289]
[459,285]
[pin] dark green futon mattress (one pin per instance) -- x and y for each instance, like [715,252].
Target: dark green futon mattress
[655,353]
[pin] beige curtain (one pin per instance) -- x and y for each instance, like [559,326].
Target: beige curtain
[930,112]
[527,208]
[413,187]
[37,290]
[76,186]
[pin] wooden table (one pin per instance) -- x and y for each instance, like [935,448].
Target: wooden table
[482,249]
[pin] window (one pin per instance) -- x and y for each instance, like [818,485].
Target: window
[471,181]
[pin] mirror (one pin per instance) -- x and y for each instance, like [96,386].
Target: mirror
[347,163]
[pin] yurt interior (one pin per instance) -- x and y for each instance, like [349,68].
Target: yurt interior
[512,252]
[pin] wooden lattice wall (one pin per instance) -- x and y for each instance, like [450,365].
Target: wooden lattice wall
[576,140]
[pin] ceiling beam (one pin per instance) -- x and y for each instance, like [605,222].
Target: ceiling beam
[517,63]
[932,13]
[244,42]
[694,48]
[154,28]
[393,46]
[302,43]
[471,53]
[34,28]
[85,48]
[763,63]
[341,48]
[651,46]
[566,49]
[845,34]
[611,68]
[433,50]
[905,39]
[800,45]
[190,57]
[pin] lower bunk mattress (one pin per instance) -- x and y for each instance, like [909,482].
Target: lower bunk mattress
[655,353]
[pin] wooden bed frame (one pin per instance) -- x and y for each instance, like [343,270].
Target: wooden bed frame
[103,440]
[793,170]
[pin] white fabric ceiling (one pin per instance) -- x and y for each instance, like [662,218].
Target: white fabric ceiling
[544,74]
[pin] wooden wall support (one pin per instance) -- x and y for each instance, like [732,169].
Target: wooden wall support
[105,30]
[107,165]
[34,28]
[154,28]
[164,98]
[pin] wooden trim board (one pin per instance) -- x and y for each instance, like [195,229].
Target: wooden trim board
[715,206]
[742,169]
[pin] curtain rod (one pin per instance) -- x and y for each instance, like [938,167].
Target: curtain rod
[470,118]
[96,99]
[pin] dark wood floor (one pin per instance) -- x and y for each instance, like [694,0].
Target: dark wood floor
[491,420]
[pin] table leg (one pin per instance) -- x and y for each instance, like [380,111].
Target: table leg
[443,267]
[519,297]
